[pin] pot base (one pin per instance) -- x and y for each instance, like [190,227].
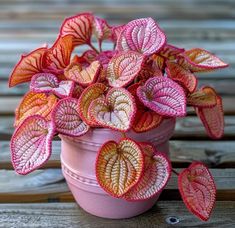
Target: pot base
[105,206]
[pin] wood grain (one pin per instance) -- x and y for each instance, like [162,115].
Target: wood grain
[70,215]
[48,185]
[189,127]
[182,153]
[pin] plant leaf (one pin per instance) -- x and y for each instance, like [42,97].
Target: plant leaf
[170,52]
[101,29]
[85,76]
[198,60]
[119,166]
[48,83]
[204,98]
[141,35]
[31,144]
[198,190]
[88,95]
[58,56]
[35,104]
[66,118]
[28,65]
[213,119]
[157,171]
[123,68]
[80,27]
[116,31]
[117,111]
[163,96]
[177,73]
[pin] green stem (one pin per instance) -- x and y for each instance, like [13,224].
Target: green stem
[175,172]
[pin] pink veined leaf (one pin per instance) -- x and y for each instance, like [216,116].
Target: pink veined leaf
[116,31]
[101,29]
[213,119]
[67,119]
[141,35]
[198,190]
[177,73]
[198,60]
[48,83]
[157,171]
[31,144]
[77,91]
[170,52]
[90,56]
[145,119]
[163,96]
[28,65]
[58,56]
[84,76]
[80,27]
[117,111]
[123,68]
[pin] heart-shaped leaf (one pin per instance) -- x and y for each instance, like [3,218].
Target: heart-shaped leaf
[35,103]
[31,144]
[117,111]
[85,76]
[198,190]
[213,119]
[48,83]
[145,119]
[157,171]
[119,166]
[58,56]
[163,96]
[187,79]
[198,60]
[141,35]
[204,98]
[66,118]
[170,52]
[123,68]
[91,93]
[80,27]
[28,65]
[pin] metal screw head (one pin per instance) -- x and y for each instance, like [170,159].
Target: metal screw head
[172,220]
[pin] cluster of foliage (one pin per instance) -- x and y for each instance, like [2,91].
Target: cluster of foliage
[133,87]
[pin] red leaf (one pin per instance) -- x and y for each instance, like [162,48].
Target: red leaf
[184,77]
[31,144]
[163,96]
[28,65]
[141,35]
[80,27]
[198,190]
[58,56]
[213,119]
[123,68]
[170,52]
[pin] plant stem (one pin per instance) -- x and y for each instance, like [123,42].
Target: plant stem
[175,172]
[100,46]
[93,48]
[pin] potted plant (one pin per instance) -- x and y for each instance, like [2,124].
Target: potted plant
[114,110]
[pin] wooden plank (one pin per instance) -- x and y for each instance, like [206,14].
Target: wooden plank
[70,215]
[182,153]
[179,10]
[222,86]
[186,128]
[49,185]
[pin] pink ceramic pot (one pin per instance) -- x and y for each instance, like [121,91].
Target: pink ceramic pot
[78,164]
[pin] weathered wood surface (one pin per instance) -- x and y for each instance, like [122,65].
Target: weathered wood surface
[189,127]
[70,215]
[182,153]
[48,185]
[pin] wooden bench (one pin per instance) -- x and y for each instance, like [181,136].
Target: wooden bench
[42,199]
